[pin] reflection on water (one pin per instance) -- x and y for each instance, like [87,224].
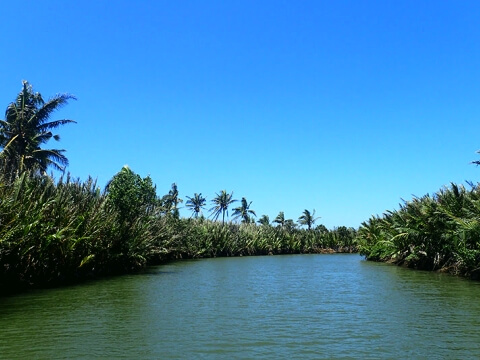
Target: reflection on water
[273,307]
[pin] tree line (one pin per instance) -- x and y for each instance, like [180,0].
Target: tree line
[55,232]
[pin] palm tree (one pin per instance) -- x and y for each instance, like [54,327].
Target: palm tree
[264,220]
[26,128]
[290,225]
[244,211]
[280,219]
[196,204]
[222,201]
[171,200]
[308,219]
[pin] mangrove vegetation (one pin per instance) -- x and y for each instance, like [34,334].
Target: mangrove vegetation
[432,232]
[60,231]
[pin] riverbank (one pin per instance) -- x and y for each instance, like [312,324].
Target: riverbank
[440,232]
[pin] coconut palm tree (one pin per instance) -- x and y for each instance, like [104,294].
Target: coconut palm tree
[196,204]
[26,128]
[290,225]
[280,219]
[171,200]
[222,201]
[264,220]
[243,211]
[308,219]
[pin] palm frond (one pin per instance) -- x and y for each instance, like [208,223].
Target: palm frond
[52,105]
[54,124]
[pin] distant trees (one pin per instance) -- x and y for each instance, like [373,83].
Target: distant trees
[26,128]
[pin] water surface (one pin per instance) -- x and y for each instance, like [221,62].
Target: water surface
[271,307]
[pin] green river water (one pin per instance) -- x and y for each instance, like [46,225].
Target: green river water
[271,307]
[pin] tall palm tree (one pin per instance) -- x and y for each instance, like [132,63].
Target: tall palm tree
[26,128]
[171,200]
[243,211]
[222,201]
[196,204]
[280,219]
[308,219]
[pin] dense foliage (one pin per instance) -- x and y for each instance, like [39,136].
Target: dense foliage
[58,232]
[53,233]
[439,232]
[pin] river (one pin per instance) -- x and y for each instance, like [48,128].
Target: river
[272,307]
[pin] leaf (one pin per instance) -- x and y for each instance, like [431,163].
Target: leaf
[86,260]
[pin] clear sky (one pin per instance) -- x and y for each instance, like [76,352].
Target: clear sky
[341,106]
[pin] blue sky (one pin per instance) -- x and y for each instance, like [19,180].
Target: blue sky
[342,106]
